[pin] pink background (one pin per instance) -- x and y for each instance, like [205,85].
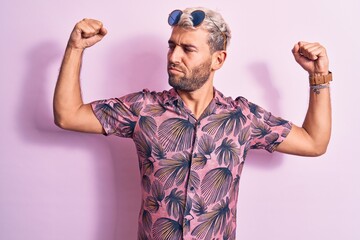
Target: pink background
[60,185]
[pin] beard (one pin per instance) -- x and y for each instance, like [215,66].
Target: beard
[193,81]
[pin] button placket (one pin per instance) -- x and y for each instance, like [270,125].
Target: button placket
[190,190]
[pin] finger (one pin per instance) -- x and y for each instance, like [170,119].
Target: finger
[312,51]
[296,52]
[318,49]
[103,31]
[90,27]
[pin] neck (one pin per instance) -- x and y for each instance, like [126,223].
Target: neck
[196,101]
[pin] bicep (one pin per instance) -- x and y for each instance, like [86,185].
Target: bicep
[298,142]
[83,120]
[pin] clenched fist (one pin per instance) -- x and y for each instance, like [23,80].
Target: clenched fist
[86,33]
[312,57]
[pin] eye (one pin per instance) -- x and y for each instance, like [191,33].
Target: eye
[171,46]
[189,49]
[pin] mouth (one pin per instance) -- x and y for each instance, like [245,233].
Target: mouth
[174,70]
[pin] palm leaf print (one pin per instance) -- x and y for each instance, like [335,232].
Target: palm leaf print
[152,204]
[228,122]
[216,184]
[167,229]
[274,121]
[175,203]
[233,213]
[199,161]
[144,149]
[242,102]
[235,188]
[148,125]
[188,216]
[271,138]
[154,110]
[199,205]
[157,190]
[286,130]
[188,206]
[176,134]
[213,222]
[142,234]
[174,169]
[211,108]
[121,108]
[258,145]
[259,129]
[146,220]
[146,184]
[143,146]
[194,180]
[206,145]
[127,127]
[148,167]
[244,135]
[106,113]
[256,110]
[228,152]
[229,233]
[246,150]
[158,150]
[136,108]
[186,225]
[134,97]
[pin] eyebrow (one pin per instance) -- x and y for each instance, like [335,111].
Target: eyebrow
[183,45]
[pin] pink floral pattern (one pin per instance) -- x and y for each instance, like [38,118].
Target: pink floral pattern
[190,167]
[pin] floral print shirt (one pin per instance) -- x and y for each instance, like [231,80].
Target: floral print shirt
[190,168]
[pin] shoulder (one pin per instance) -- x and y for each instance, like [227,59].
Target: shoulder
[229,102]
[159,97]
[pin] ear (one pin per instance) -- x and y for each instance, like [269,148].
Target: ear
[218,59]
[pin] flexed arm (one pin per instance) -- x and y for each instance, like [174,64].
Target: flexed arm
[313,137]
[69,110]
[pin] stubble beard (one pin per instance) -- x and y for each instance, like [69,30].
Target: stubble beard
[199,76]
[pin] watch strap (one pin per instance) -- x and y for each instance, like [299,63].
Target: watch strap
[322,79]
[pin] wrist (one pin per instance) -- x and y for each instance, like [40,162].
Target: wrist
[316,74]
[72,49]
[320,78]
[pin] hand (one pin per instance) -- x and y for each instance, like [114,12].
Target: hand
[86,33]
[312,57]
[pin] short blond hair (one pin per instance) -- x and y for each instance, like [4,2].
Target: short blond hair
[216,40]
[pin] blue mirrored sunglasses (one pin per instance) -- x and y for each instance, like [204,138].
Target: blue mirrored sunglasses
[198,17]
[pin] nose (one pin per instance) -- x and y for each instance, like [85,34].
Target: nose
[175,54]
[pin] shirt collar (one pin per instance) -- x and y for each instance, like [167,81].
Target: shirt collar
[173,98]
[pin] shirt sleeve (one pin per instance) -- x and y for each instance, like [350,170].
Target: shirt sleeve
[119,116]
[267,130]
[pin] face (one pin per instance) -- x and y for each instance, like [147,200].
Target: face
[189,59]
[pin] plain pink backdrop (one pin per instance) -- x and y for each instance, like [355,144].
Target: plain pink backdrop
[60,185]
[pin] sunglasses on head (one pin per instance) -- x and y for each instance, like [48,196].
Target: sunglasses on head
[197,17]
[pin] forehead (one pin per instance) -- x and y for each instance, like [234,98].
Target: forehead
[195,37]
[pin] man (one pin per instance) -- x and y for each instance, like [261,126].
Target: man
[191,140]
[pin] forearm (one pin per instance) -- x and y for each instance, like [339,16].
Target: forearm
[67,96]
[317,123]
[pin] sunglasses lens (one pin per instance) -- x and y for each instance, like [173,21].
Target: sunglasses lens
[198,17]
[174,17]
